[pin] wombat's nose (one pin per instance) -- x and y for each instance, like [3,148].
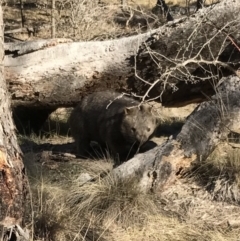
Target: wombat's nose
[143,138]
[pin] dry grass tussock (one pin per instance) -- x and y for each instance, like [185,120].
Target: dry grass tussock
[220,173]
[111,200]
[63,209]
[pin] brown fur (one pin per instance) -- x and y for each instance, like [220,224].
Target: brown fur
[113,122]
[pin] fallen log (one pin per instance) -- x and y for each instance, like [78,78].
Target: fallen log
[210,123]
[177,64]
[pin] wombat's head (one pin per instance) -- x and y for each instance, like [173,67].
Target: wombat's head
[138,124]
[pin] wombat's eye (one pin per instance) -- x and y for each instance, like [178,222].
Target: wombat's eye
[148,129]
[133,129]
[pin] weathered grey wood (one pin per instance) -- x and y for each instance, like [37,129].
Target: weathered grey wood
[59,75]
[209,124]
[49,73]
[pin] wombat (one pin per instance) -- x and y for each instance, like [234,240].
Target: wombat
[113,121]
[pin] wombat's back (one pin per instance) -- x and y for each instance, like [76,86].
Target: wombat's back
[108,102]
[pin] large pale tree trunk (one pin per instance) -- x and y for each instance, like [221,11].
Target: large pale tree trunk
[12,177]
[179,63]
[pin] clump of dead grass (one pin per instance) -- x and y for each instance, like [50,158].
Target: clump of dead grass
[112,200]
[50,212]
[220,173]
[52,218]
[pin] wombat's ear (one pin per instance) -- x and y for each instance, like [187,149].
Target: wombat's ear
[128,111]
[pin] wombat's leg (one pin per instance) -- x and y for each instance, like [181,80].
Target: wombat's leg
[120,157]
[83,146]
[128,151]
[122,153]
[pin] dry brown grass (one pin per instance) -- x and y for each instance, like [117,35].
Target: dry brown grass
[152,3]
[83,20]
[56,221]
[86,20]
[220,173]
[109,200]
[108,210]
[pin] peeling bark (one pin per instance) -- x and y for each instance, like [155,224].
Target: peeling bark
[12,176]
